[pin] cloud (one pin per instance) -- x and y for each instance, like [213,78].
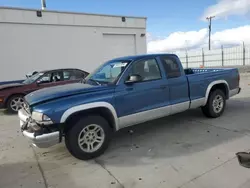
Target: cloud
[226,8]
[233,36]
[179,41]
[149,37]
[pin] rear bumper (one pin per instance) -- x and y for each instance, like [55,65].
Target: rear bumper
[42,141]
[234,92]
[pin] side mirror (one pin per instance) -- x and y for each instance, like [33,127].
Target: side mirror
[133,79]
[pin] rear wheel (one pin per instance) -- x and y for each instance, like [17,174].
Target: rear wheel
[15,103]
[88,138]
[215,105]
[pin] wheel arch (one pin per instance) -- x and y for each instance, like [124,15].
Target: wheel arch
[219,84]
[104,109]
[10,96]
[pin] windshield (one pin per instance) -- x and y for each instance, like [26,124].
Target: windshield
[32,78]
[109,72]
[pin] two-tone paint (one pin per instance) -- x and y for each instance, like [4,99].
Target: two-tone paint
[139,102]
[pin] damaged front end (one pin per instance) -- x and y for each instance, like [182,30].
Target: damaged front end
[42,134]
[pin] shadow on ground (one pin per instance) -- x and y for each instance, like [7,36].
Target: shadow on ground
[5,112]
[178,135]
[175,136]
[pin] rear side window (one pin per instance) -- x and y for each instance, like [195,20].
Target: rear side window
[79,74]
[171,67]
[73,74]
[67,75]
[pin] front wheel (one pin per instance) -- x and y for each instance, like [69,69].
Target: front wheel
[88,138]
[15,103]
[215,105]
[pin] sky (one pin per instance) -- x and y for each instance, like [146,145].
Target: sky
[172,25]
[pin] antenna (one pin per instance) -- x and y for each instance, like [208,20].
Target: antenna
[43,3]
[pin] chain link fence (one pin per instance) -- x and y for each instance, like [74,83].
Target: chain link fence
[235,56]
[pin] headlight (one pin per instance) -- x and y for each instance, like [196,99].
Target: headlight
[40,117]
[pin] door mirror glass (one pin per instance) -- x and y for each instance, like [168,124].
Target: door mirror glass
[134,78]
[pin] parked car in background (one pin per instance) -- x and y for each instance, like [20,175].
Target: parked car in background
[11,95]
[120,93]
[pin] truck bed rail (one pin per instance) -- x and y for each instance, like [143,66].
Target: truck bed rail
[201,70]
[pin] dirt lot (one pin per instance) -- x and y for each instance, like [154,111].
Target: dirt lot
[186,150]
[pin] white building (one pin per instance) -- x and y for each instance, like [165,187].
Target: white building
[39,40]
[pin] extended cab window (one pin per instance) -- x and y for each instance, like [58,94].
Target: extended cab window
[148,69]
[171,67]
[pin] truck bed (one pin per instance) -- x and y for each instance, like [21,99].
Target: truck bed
[200,79]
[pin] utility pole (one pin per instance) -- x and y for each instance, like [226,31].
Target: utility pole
[209,28]
[244,53]
[43,3]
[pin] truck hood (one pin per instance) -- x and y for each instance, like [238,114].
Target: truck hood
[51,93]
[9,86]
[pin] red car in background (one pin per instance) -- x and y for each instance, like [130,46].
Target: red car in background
[11,95]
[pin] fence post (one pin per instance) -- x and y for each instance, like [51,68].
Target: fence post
[222,56]
[187,58]
[203,58]
[244,54]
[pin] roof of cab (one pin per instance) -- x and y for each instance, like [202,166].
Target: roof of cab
[138,57]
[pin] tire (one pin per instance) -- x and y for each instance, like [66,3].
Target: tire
[80,137]
[215,105]
[18,99]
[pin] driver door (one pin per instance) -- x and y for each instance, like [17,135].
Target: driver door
[145,99]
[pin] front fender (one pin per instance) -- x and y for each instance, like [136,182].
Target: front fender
[88,106]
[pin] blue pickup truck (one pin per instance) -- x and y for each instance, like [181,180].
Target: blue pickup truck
[120,93]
